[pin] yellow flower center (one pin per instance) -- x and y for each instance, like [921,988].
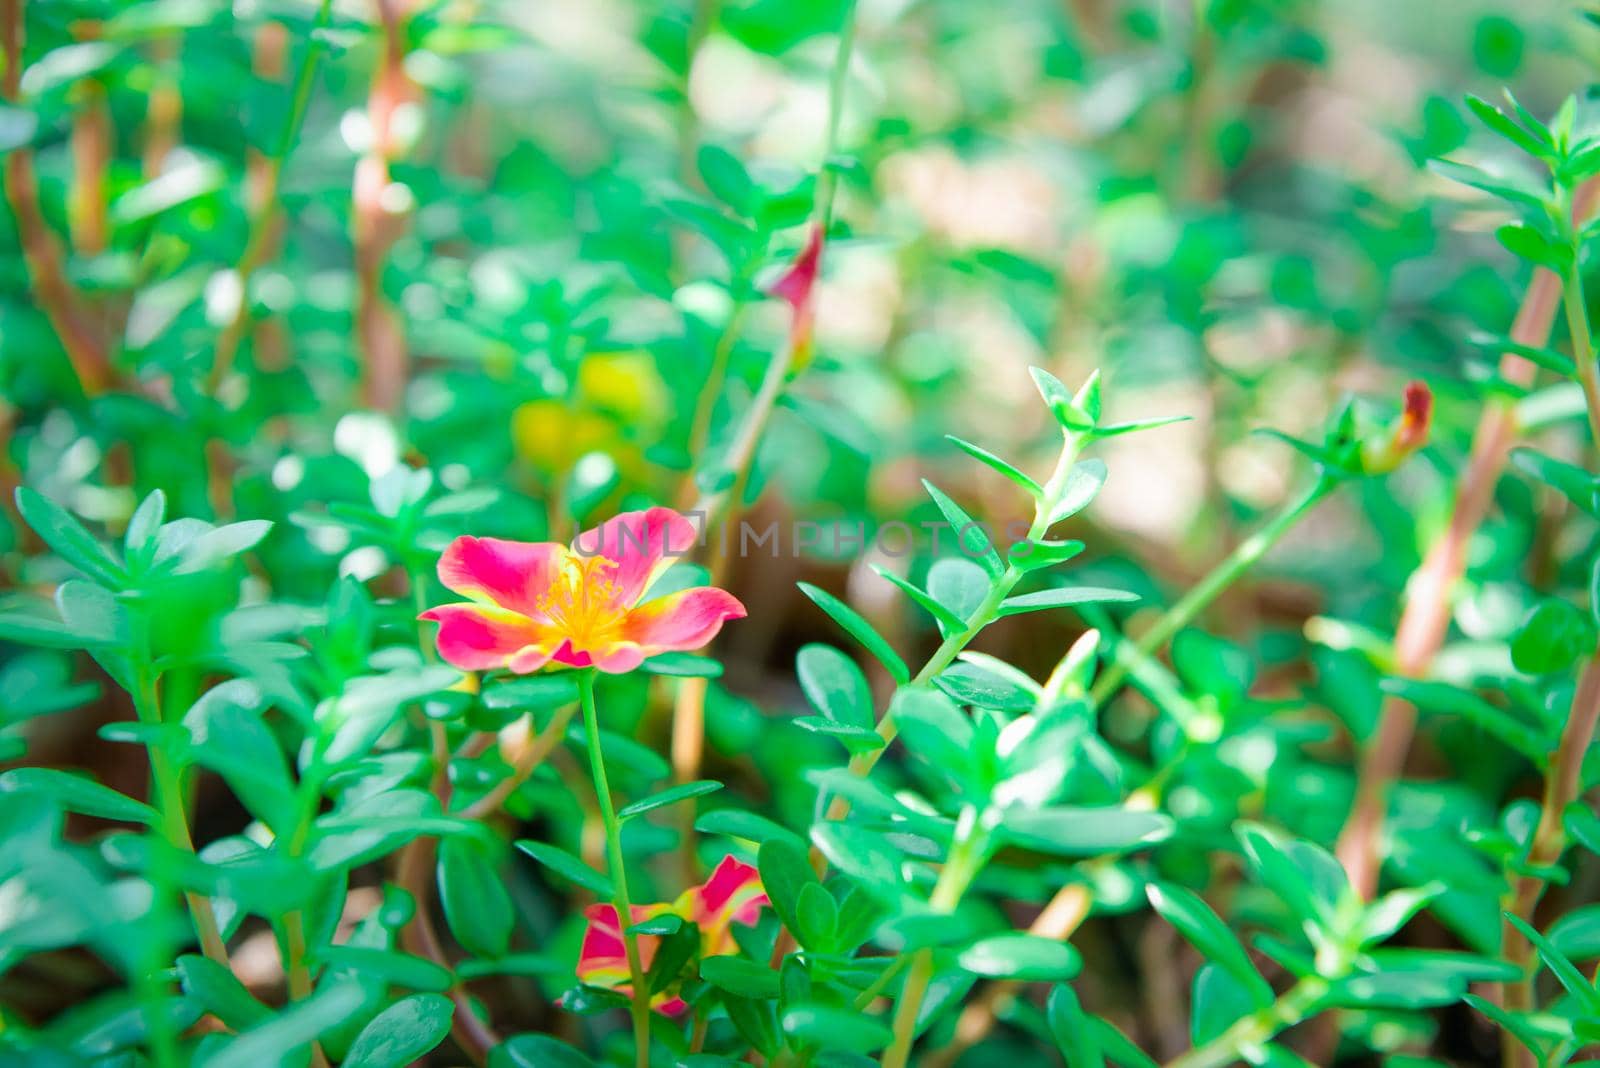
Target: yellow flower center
[582,601]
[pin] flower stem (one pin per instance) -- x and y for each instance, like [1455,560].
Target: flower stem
[1562,786]
[1583,347]
[640,998]
[167,781]
[1220,578]
[1563,779]
[968,852]
[1426,617]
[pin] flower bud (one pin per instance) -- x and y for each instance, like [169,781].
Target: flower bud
[797,286]
[1382,453]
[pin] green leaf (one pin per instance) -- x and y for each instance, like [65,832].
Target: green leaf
[75,793]
[401,1033]
[970,534]
[1303,875]
[756,1020]
[1218,1001]
[1119,1049]
[958,584]
[833,1028]
[1023,957]
[388,965]
[1500,123]
[1573,482]
[1132,426]
[1064,597]
[568,867]
[1529,244]
[31,628]
[670,796]
[933,729]
[835,686]
[1204,930]
[1519,736]
[726,177]
[1035,555]
[856,740]
[220,993]
[682,665]
[785,871]
[1072,831]
[536,1051]
[1491,184]
[816,918]
[476,904]
[220,545]
[290,1031]
[69,539]
[139,540]
[230,737]
[1561,966]
[947,620]
[737,823]
[1082,486]
[674,951]
[737,975]
[861,854]
[859,629]
[1074,1038]
[1577,934]
[984,456]
[1059,400]
[1552,638]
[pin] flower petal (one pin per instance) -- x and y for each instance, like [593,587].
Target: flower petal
[603,959]
[512,574]
[733,892]
[643,544]
[680,621]
[477,637]
[617,658]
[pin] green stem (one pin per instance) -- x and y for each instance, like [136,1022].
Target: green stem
[968,852]
[986,612]
[1583,347]
[640,997]
[870,994]
[1201,595]
[827,181]
[167,780]
[1297,1003]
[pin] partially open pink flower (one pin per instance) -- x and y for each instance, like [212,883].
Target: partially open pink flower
[533,603]
[797,286]
[732,895]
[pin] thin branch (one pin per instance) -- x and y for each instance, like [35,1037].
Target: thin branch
[379,334]
[1426,616]
[59,299]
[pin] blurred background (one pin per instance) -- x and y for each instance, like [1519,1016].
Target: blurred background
[264,255]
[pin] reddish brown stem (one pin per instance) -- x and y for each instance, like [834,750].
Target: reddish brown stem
[163,112]
[1562,785]
[1426,616]
[91,159]
[61,302]
[379,333]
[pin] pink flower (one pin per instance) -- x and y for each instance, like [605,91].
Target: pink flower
[798,286]
[732,895]
[533,603]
